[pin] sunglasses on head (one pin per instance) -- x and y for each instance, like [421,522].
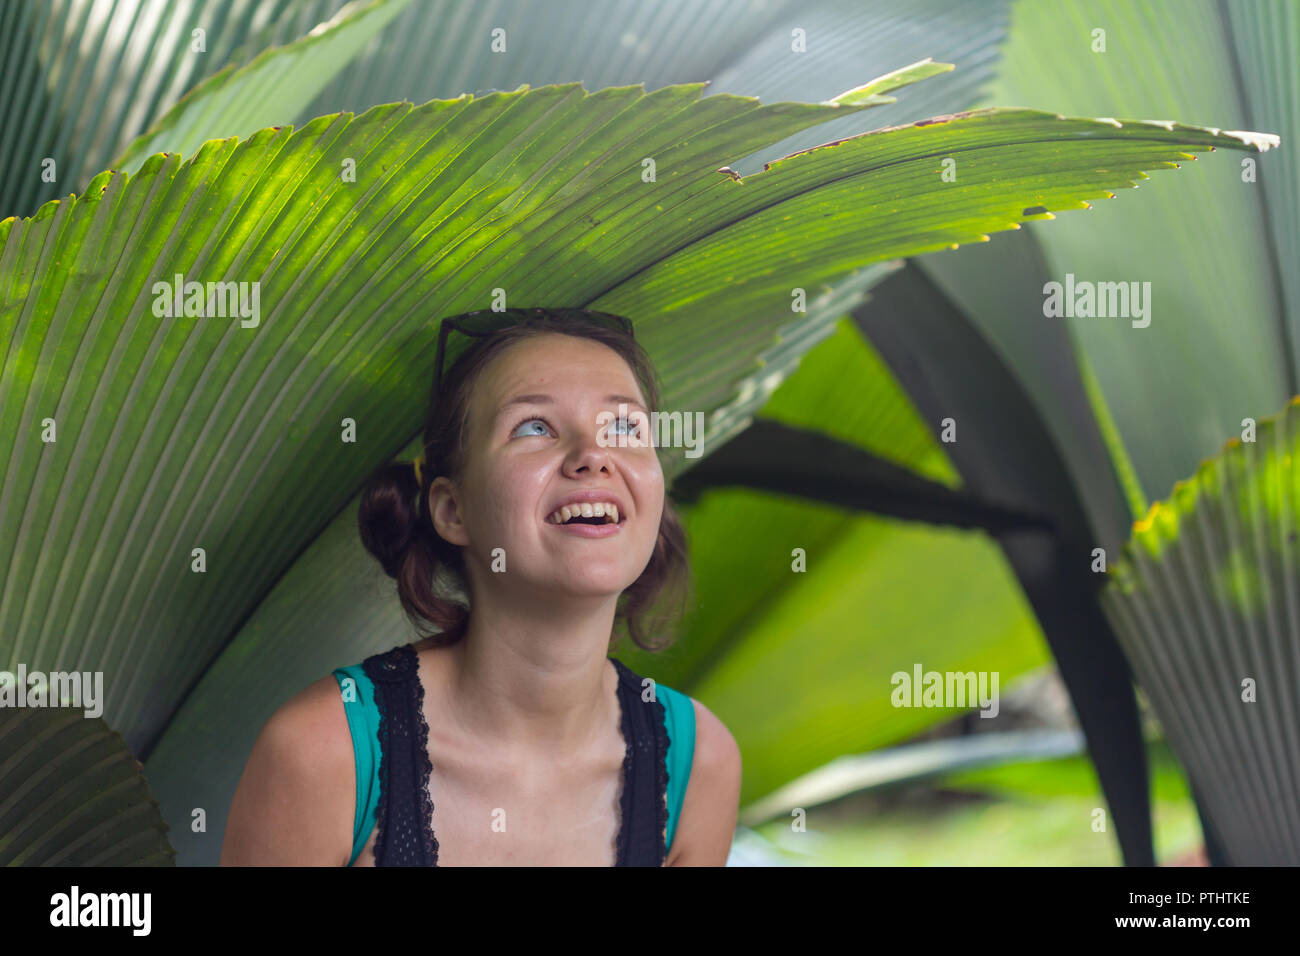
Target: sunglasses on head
[486,322]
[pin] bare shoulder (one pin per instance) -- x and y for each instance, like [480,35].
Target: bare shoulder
[295,801]
[712,802]
[316,723]
[713,742]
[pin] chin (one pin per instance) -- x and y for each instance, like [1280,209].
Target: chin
[592,585]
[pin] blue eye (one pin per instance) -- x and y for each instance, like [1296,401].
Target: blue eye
[530,421]
[628,422]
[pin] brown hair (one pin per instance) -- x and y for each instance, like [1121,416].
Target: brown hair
[394,515]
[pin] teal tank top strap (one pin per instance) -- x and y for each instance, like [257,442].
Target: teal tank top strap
[363,722]
[679,719]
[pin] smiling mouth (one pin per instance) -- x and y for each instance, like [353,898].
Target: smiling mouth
[609,516]
[596,520]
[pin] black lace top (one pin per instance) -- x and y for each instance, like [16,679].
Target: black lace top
[404,821]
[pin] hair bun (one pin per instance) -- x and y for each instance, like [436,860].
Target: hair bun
[389,514]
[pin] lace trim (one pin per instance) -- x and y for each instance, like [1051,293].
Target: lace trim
[625,797]
[396,677]
[648,734]
[425,766]
[374,668]
[663,740]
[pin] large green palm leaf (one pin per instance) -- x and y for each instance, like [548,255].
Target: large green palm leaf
[176,434]
[1206,601]
[277,83]
[1224,292]
[1210,249]
[71,794]
[80,80]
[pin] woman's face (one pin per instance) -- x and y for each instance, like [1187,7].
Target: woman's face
[524,458]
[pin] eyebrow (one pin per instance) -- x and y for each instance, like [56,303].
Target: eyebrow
[548,400]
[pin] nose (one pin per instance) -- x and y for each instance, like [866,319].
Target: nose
[587,455]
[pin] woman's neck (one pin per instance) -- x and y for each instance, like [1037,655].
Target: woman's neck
[538,685]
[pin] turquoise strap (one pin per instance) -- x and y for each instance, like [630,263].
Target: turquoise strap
[679,718]
[363,721]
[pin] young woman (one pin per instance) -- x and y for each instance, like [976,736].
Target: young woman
[529,527]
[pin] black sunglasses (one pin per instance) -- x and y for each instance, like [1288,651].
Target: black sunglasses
[486,322]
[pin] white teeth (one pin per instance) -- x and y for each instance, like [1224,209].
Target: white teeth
[598,509]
